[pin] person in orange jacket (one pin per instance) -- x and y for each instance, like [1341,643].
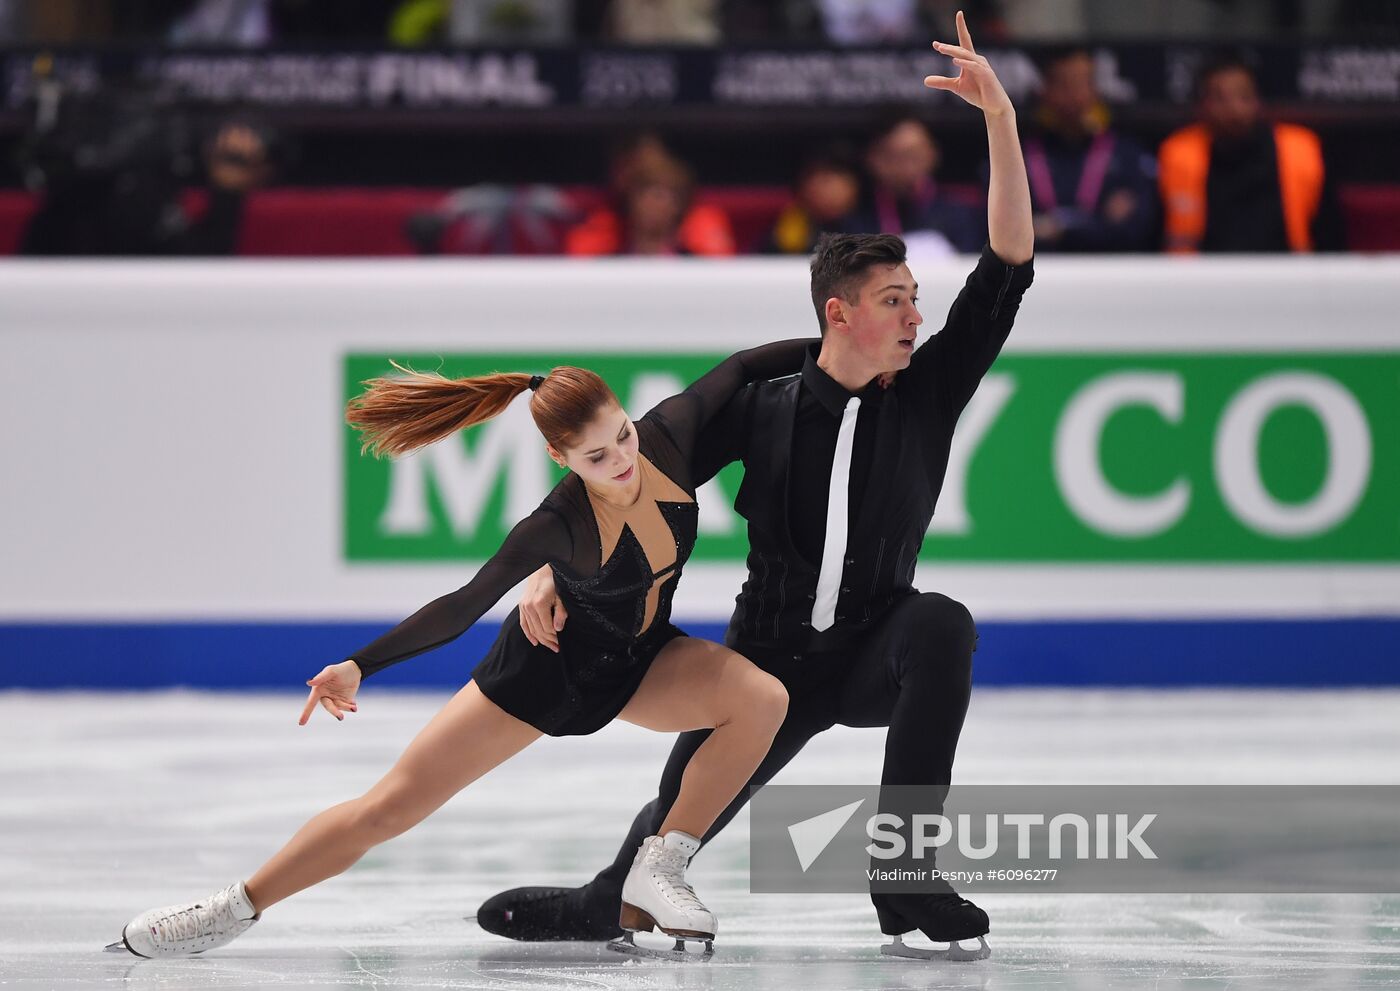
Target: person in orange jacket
[653,214]
[1234,182]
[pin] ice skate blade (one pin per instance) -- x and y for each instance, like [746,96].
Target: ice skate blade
[677,954]
[122,946]
[955,951]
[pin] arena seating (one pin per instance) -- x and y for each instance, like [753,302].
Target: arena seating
[371,221]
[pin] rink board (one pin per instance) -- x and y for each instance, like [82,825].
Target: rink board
[1303,654]
[1180,473]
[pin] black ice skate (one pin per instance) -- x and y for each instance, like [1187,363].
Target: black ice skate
[542,914]
[942,917]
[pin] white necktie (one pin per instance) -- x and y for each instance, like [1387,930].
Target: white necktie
[834,548]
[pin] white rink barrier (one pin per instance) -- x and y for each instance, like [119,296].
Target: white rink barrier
[1163,440]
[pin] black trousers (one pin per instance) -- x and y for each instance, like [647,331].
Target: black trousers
[911,672]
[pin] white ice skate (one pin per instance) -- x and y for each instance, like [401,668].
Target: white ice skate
[181,930]
[657,896]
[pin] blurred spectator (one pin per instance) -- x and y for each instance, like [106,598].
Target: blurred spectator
[1045,20]
[257,23]
[826,191]
[903,197]
[1234,182]
[494,219]
[1358,18]
[661,22]
[653,214]
[869,22]
[113,168]
[245,23]
[794,21]
[13,29]
[414,23]
[1109,20]
[846,22]
[885,22]
[433,22]
[1093,189]
[341,22]
[55,21]
[511,21]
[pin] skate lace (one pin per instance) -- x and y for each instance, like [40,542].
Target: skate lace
[200,919]
[668,868]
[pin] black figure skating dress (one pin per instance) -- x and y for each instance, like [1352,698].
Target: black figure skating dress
[615,570]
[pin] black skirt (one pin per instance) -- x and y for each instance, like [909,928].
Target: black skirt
[573,693]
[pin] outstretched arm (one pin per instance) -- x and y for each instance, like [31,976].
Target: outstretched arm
[540,538]
[1010,226]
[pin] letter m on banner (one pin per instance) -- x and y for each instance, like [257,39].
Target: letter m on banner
[466,470]
[455,499]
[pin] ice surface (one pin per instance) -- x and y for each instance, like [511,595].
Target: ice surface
[110,804]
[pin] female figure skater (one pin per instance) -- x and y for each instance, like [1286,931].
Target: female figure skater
[616,531]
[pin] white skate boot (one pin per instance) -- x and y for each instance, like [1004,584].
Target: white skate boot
[180,930]
[657,896]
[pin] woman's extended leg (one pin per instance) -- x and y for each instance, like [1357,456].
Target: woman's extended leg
[698,684]
[468,737]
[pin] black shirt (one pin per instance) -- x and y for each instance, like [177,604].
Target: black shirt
[820,405]
[899,458]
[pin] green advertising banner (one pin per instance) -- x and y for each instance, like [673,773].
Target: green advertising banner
[1064,457]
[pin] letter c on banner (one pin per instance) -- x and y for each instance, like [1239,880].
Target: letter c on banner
[1079,473]
[1348,454]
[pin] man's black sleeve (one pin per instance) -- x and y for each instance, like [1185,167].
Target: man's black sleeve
[722,441]
[946,370]
[686,415]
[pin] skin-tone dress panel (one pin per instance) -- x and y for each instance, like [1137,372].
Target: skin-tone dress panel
[648,526]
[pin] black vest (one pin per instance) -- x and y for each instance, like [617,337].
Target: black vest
[773,610]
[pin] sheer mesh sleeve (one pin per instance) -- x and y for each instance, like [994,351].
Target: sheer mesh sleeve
[543,537]
[683,416]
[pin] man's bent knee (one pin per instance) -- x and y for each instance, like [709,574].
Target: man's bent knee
[942,623]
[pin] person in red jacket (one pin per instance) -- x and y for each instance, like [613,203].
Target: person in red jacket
[1234,182]
[654,213]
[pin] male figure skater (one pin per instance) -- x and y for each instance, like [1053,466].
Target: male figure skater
[841,478]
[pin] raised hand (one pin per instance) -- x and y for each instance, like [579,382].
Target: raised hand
[334,689]
[975,82]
